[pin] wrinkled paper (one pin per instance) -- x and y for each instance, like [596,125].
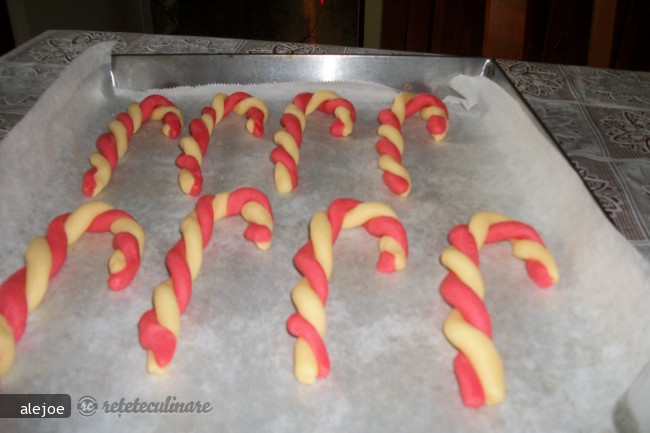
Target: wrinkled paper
[570,352]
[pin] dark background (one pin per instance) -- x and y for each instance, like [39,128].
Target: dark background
[556,31]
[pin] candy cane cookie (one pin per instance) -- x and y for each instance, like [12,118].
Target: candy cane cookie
[468,328]
[315,260]
[288,140]
[391,144]
[194,146]
[112,145]
[24,290]
[159,327]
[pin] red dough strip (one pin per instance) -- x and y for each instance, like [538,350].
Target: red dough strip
[469,304]
[128,124]
[152,102]
[179,272]
[471,390]
[233,100]
[387,226]
[14,290]
[154,336]
[386,147]
[298,326]
[58,243]
[516,230]
[471,307]
[307,264]
[13,303]
[301,100]
[280,156]
[292,125]
[107,147]
[424,100]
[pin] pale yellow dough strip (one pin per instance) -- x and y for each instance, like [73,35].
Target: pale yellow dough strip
[8,345]
[38,265]
[256,213]
[218,103]
[320,233]
[131,226]
[345,116]
[480,224]
[391,133]
[79,220]
[304,361]
[191,233]
[399,106]
[103,173]
[529,250]
[119,134]
[135,113]
[169,316]
[282,179]
[286,140]
[246,104]
[318,98]
[389,164]
[464,268]
[366,211]
[189,146]
[481,352]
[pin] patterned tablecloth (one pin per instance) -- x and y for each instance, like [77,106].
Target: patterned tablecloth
[599,117]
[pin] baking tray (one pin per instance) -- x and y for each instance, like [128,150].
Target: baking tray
[417,73]
[392,369]
[414,73]
[405,73]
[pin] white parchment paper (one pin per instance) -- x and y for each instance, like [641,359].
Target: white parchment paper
[570,352]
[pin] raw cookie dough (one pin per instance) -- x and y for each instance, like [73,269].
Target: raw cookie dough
[23,291]
[288,140]
[315,260]
[391,144]
[160,326]
[195,145]
[112,145]
[468,328]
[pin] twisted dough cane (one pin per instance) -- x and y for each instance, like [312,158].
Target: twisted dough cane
[160,326]
[391,144]
[112,145]
[286,154]
[468,328]
[314,261]
[23,291]
[194,146]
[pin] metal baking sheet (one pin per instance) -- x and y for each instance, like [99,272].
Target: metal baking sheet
[406,73]
[570,352]
[415,73]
